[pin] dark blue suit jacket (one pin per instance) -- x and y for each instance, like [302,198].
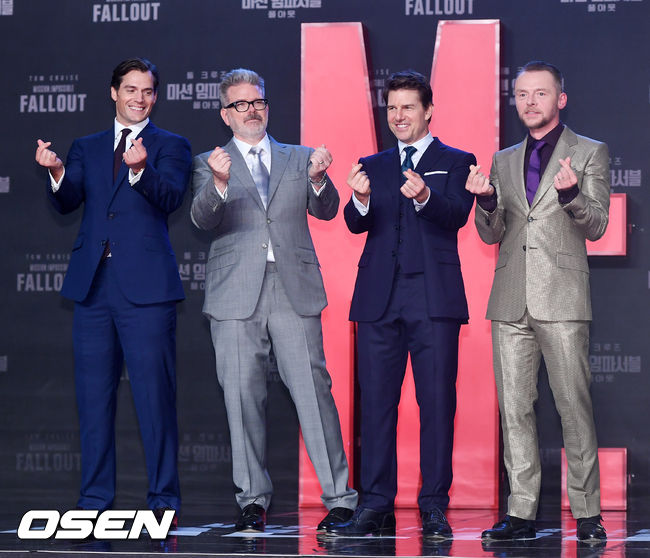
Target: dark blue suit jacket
[444,170]
[133,218]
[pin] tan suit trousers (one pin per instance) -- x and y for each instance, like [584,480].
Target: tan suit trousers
[517,350]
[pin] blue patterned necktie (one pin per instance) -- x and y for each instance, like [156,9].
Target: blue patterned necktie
[259,173]
[409,150]
[533,175]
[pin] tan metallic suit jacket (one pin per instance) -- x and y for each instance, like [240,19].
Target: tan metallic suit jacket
[542,261]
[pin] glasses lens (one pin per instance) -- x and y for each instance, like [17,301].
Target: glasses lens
[241,106]
[259,104]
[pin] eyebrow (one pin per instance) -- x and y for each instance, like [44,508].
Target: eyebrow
[537,89]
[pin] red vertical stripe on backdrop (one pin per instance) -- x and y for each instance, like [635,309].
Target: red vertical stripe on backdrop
[465,81]
[336,110]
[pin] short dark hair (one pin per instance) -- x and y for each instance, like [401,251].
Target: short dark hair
[410,79]
[139,64]
[541,66]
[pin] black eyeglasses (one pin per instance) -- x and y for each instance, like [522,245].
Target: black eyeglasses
[242,106]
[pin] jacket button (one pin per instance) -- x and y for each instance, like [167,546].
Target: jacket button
[268,221]
[530,219]
[111,215]
[265,246]
[524,247]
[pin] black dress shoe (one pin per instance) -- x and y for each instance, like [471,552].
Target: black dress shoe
[335,515]
[590,530]
[251,519]
[364,522]
[511,528]
[435,525]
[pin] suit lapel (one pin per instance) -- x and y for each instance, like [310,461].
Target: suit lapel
[516,166]
[564,148]
[279,160]
[239,171]
[390,167]
[104,157]
[430,157]
[148,136]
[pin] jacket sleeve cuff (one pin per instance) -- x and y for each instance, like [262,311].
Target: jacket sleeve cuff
[487,203]
[568,195]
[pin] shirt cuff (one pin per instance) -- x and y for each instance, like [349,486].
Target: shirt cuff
[568,195]
[419,205]
[488,203]
[53,183]
[134,178]
[363,209]
[223,196]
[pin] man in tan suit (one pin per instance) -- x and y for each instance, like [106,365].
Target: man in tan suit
[545,196]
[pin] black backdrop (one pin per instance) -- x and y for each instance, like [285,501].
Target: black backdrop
[57,59]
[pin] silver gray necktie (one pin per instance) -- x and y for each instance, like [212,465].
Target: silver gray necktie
[259,173]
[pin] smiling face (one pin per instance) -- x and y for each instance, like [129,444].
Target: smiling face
[407,118]
[249,126]
[538,102]
[135,98]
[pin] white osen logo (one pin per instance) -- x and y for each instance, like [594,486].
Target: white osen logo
[80,524]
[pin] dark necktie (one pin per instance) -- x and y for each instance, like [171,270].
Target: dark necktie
[533,174]
[259,173]
[409,150]
[119,151]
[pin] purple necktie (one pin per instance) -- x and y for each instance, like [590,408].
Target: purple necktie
[533,175]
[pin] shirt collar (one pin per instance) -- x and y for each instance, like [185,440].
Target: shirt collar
[551,138]
[421,145]
[135,128]
[244,148]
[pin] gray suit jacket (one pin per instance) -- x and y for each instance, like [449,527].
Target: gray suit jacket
[542,261]
[242,228]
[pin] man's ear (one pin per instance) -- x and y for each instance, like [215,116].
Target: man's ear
[224,116]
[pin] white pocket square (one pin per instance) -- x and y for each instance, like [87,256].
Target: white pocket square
[435,172]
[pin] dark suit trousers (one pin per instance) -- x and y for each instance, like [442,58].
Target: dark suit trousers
[108,330]
[383,348]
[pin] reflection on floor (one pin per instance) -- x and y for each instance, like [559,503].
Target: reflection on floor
[294,534]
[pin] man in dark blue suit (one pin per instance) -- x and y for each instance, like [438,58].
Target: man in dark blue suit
[124,280]
[409,298]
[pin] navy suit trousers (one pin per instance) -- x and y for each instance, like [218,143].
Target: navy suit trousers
[383,346]
[108,329]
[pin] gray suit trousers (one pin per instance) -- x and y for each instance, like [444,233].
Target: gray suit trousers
[242,349]
[517,348]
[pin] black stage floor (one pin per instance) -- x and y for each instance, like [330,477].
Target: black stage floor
[294,534]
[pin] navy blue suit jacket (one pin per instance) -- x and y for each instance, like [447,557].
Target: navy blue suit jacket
[133,218]
[444,170]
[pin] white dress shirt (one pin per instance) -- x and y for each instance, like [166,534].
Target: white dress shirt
[421,146]
[117,129]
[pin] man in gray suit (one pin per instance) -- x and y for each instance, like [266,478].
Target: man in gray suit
[543,199]
[264,291]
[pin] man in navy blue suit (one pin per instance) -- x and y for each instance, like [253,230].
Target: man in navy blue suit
[124,280]
[409,298]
